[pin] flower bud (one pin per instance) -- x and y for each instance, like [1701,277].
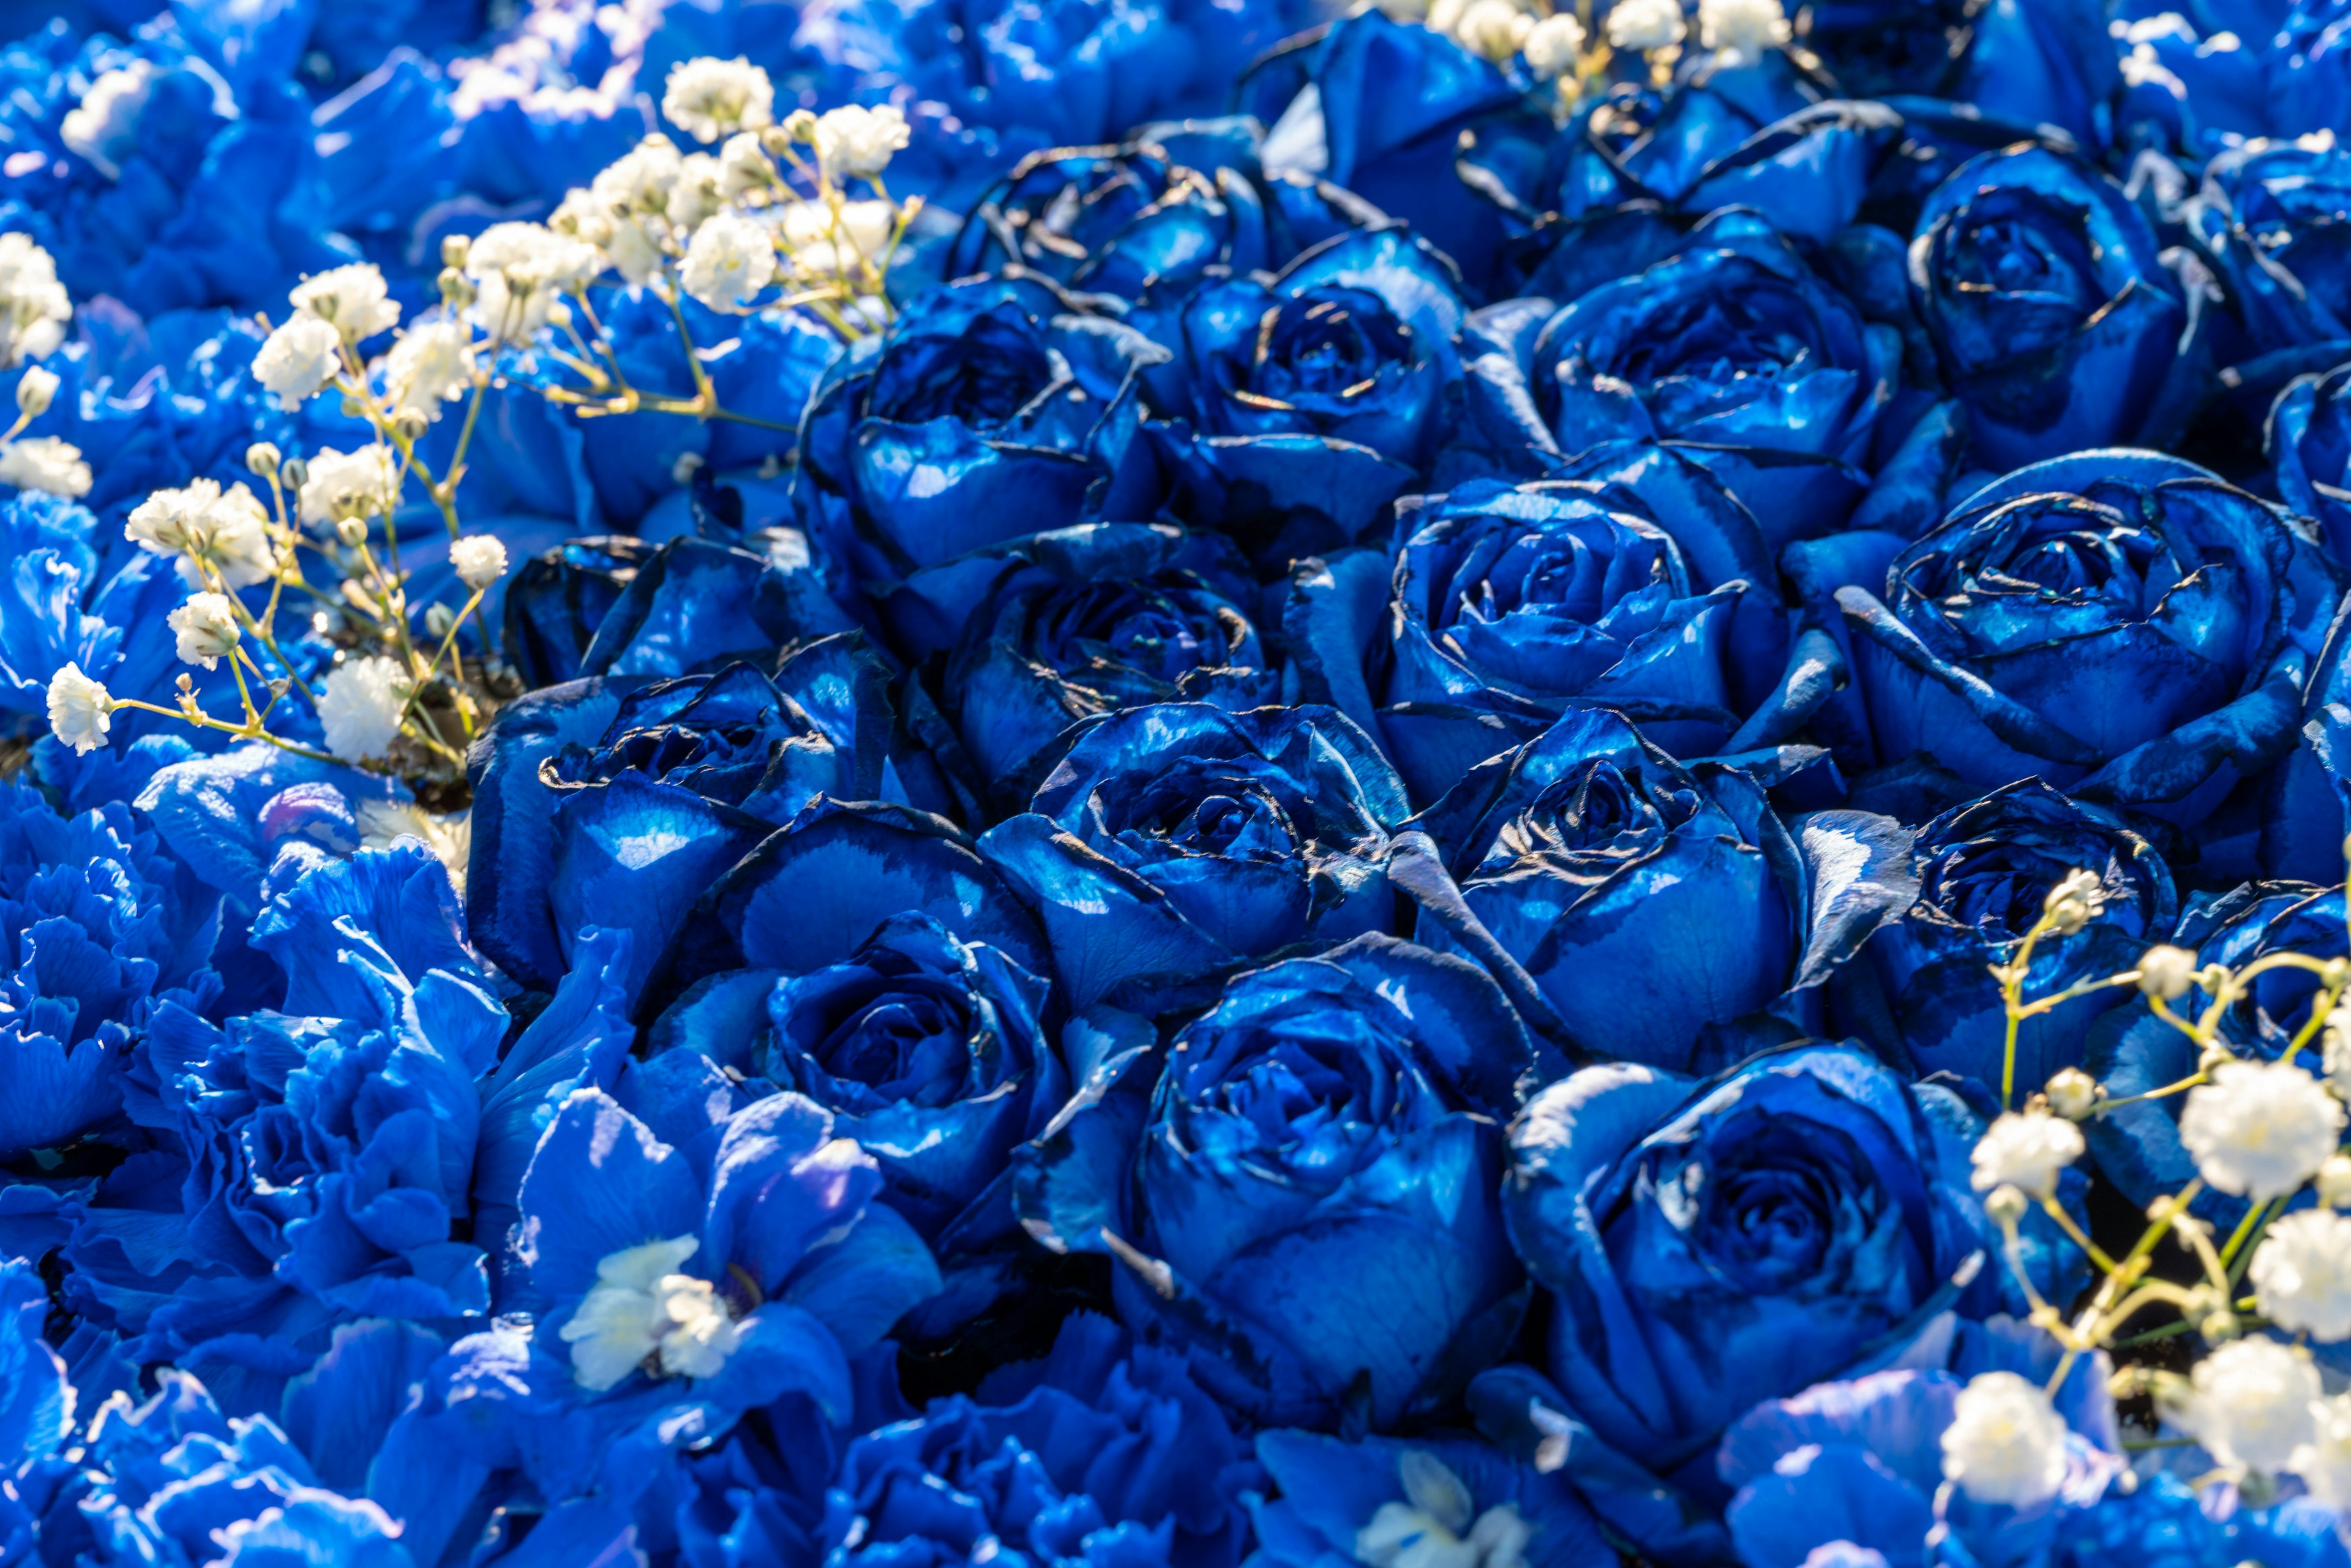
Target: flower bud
[36,390]
[262,458]
[352,532]
[2166,973]
[455,249]
[2334,1181]
[457,288]
[2074,1094]
[440,620]
[2073,902]
[799,125]
[295,473]
[2006,1205]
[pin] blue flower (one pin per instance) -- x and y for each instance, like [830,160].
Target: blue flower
[2008,635]
[615,802]
[1589,851]
[554,602]
[1730,344]
[1098,1456]
[2055,322]
[1510,606]
[1709,1246]
[2265,221]
[2309,449]
[99,929]
[1306,404]
[1094,620]
[1307,1208]
[1385,1501]
[1980,874]
[991,410]
[1174,844]
[931,1052]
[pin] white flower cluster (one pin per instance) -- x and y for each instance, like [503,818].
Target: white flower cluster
[2260,1130]
[215,537]
[642,1313]
[33,309]
[1740,32]
[2026,1150]
[336,312]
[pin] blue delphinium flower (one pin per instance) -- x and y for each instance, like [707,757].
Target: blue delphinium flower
[1388,1501]
[1305,1205]
[1100,1454]
[100,929]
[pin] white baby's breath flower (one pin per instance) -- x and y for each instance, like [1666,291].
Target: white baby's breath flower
[1493,29]
[430,364]
[104,126]
[36,389]
[78,710]
[730,260]
[520,270]
[744,166]
[360,709]
[2166,972]
[202,525]
[2324,1462]
[1552,45]
[2026,1149]
[708,99]
[46,463]
[480,559]
[2006,1443]
[299,356]
[2301,1274]
[853,140]
[642,1309]
[1740,31]
[351,298]
[33,309]
[639,180]
[696,194]
[2250,1404]
[339,484]
[821,247]
[2336,1060]
[206,627]
[2259,1129]
[1641,26]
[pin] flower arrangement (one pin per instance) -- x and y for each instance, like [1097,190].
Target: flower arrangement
[1478,784]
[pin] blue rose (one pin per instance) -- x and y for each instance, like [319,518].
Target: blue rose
[1385,1500]
[2055,322]
[1731,345]
[1708,1246]
[2309,447]
[991,410]
[1589,851]
[1176,843]
[932,1054]
[99,929]
[613,801]
[1306,1207]
[1132,221]
[554,602]
[2265,220]
[1309,403]
[2007,636]
[1098,1456]
[1980,873]
[1506,606]
[1095,619]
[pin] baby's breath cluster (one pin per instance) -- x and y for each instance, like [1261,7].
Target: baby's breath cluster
[2264,1132]
[33,310]
[1642,39]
